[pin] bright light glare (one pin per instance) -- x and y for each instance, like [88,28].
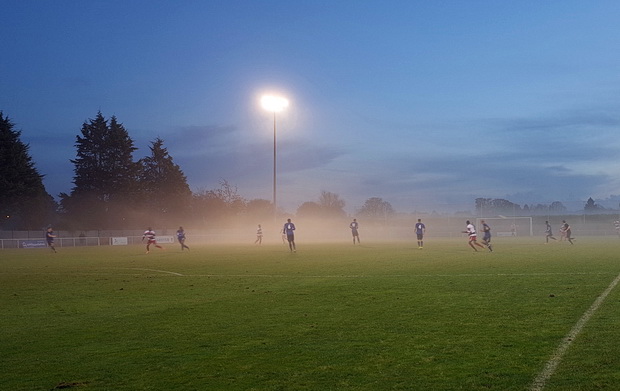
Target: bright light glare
[274,103]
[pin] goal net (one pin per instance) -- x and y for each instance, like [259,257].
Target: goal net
[507,226]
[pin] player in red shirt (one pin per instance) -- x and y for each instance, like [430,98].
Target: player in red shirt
[149,235]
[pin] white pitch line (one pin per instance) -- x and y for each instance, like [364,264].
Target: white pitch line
[541,380]
[391,275]
[340,275]
[158,271]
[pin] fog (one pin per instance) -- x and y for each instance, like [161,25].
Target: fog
[311,231]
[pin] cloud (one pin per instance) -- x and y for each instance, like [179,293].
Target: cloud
[568,121]
[208,154]
[539,159]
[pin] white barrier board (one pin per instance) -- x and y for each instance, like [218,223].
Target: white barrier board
[118,241]
[165,239]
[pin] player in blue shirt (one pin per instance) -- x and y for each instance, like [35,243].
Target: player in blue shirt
[49,237]
[486,239]
[181,238]
[289,229]
[354,226]
[420,230]
[548,232]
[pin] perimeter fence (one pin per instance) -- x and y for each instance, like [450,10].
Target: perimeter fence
[36,239]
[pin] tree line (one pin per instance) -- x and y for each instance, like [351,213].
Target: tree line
[112,190]
[500,206]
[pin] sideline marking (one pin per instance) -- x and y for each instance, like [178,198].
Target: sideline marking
[329,275]
[540,381]
[392,275]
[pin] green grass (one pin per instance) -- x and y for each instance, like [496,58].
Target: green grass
[330,317]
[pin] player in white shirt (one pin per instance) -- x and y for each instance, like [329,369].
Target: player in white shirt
[149,235]
[473,237]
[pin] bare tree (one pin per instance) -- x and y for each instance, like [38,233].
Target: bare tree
[376,209]
[331,204]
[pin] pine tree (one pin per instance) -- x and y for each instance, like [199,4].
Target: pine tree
[24,202]
[164,185]
[104,189]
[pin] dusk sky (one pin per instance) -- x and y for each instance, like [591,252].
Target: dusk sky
[425,104]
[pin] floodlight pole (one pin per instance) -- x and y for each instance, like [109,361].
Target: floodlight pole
[274,104]
[275,207]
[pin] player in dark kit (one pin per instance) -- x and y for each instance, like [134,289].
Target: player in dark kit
[420,230]
[289,230]
[49,237]
[548,232]
[486,239]
[354,226]
[181,238]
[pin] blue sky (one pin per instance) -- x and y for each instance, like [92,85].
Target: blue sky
[426,104]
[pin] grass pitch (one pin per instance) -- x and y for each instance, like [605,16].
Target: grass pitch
[383,316]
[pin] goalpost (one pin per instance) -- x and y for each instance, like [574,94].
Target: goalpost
[507,226]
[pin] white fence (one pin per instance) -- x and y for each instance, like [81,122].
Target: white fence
[36,239]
